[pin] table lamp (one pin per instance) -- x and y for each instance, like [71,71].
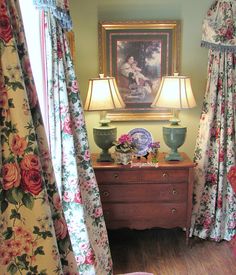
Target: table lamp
[103,95]
[174,92]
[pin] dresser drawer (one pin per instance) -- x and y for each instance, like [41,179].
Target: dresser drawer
[142,175]
[133,215]
[116,176]
[143,192]
[164,175]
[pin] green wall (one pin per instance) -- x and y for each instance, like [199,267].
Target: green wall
[86,14]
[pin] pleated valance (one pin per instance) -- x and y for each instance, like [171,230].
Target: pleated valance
[59,8]
[219,26]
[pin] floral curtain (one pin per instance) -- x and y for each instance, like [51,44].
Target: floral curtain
[214,210]
[34,237]
[70,154]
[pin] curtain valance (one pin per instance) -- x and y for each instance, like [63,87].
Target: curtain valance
[59,8]
[219,26]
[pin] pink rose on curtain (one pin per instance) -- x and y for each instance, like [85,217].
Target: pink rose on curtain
[211,178]
[221,156]
[66,4]
[232,177]
[5,28]
[46,161]
[74,86]
[78,198]
[220,201]
[60,228]
[67,127]
[207,222]
[27,66]
[31,177]
[219,84]
[80,259]
[229,131]
[68,196]
[98,212]
[32,95]
[3,97]
[11,175]
[32,181]
[87,155]
[18,145]
[30,162]
[57,201]
[229,34]
[3,8]
[90,259]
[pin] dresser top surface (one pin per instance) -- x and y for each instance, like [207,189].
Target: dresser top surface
[185,163]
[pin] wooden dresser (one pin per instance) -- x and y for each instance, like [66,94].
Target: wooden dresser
[145,197]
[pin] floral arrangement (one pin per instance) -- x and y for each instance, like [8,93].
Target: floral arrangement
[124,144]
[154,146]
[153,151]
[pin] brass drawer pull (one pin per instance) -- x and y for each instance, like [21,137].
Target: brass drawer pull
[164,175]
[173,210]
[116,176]
[174,192]
[106,193]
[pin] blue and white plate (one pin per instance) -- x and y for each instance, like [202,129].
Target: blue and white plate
[141,138]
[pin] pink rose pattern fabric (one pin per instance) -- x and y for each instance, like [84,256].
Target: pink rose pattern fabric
[75,176]
[34,236]
[214,205]
[219,24]
[232,179]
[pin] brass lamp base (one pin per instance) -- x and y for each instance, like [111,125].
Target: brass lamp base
[174,137]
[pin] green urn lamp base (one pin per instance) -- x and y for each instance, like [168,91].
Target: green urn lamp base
[105,156]
[173,156]
[104,136]
[174,137]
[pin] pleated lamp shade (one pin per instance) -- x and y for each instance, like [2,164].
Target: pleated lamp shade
[103,94]
[175,92]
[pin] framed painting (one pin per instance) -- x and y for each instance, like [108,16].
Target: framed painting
[138,54]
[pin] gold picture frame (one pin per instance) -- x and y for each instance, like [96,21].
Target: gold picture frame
[154,48]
